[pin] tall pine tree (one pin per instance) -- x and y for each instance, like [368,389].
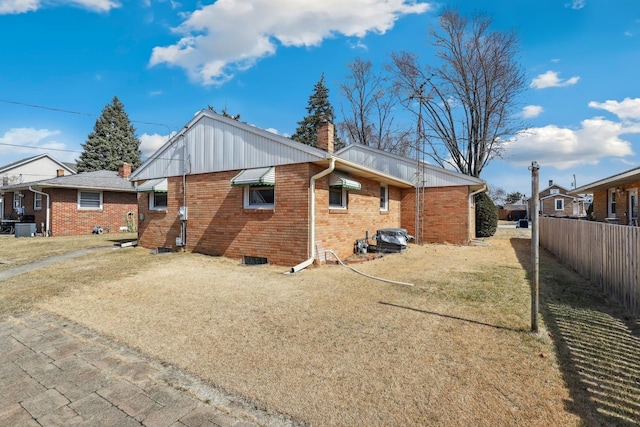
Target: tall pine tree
[112,142]
[319,109]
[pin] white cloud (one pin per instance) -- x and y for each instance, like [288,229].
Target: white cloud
[8,7]
[576,4]
[149,144]
[24,139]
[531,111]
[551,79]
[628,109]
[563,148]
[229,36]
[95,5]
[26,142]
[18,6]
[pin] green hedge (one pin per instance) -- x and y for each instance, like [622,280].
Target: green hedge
[486,216]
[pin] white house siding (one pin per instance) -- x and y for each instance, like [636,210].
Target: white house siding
[215,143]
[404,167]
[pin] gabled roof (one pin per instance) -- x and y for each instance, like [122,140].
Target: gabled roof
[214,143]
[622,178]
[406,168]
[27,160]
[555,196]
[97,180]
[559,187]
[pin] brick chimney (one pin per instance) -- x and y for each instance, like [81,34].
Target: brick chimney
[124,170]
[60,172]
[325,136]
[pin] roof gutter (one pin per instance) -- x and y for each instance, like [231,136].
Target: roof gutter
[312,216]
[48,220]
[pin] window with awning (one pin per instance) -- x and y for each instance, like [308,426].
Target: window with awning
[342,180]
[255,177]
[159,185]
[259,187]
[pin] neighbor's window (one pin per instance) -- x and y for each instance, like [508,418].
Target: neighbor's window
[337,198]
[17,200]
[89,200]
[559,204]
[612,202]
[259,197]
[554,191]
[37,201]
[384,198]
[158,201]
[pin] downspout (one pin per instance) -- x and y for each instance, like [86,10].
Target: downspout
[183,230]
[482,190]
[48,220]
[312,216]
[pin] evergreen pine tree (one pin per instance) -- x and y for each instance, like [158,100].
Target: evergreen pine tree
[112,142]
[318,109]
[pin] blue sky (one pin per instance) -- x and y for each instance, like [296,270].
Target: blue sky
[62,61]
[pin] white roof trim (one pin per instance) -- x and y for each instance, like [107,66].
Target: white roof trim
[340,179]
[160,185]
[257,176]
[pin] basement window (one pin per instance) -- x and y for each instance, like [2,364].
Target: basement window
[254,260]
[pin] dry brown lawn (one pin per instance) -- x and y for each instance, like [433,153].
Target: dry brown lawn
[330,347]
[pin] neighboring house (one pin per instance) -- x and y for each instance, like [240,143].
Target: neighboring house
[31,169]
[513,211]
[556,200]
[615,198]
[222,187]
[74,204]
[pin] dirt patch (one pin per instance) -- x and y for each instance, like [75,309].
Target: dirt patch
[327,346]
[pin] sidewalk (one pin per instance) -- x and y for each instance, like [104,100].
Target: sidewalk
[56,373]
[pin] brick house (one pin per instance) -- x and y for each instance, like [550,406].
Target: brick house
[555,200]
[615,198]
[74,204]
[222,187]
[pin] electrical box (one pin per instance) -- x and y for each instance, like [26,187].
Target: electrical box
[182,213]
[178,241]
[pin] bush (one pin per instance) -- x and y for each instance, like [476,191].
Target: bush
[486,216]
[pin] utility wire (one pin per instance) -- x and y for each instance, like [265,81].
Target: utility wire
[61,110]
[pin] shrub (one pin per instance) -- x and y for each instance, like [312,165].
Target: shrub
[486,216]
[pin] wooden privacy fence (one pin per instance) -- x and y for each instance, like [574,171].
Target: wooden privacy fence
[606,254]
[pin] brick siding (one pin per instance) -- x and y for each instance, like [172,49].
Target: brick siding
[67,220]
[446,214]
[219,225]
[601,203]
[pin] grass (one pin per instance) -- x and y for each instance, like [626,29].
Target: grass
[18,251]
[329,347]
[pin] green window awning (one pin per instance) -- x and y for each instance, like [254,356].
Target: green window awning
[159,185]
[257,176]
[339,179]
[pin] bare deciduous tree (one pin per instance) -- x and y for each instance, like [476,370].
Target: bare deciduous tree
[368,118]
[465,104]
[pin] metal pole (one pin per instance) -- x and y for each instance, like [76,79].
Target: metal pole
[535,249]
